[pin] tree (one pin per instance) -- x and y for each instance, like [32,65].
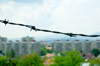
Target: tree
[43,46]
[62,54]
[49,45]
[49,51]
[32,60]
[95,62]
[2,61]
[43,52]
[95,52]
[11,54]
[0,51]
[81,51]
[72,58]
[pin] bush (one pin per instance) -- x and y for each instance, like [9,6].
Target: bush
[2,61]
[94,62]
[95,52]
[28,60]
[72,58]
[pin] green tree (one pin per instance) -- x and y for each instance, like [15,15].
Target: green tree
[2,61]
[32,60]
[49,45]
[11,54]
[43,52]
[0,51]
[43,46]
[73,58]
[49,51]
[94,62]
[95,52]
[81,51]
[62,54]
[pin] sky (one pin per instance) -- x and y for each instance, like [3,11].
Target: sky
[69,16]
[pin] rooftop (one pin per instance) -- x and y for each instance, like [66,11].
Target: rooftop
[50,55]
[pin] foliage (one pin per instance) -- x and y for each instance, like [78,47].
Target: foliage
[28,60]
[32,60]
[72,58]
[49,51]
[43,46]
[95,62]
[10,54]
[2,61]
[62,54]
[0,51]
[49,45]
[95,52]
[84,55]
[43,52]
[81,51]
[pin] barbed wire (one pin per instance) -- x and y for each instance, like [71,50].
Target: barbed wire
[10,62]
[36,29]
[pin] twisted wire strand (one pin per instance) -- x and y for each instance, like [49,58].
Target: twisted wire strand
[57,32]
[10,62]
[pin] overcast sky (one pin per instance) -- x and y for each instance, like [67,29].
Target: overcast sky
[76,16]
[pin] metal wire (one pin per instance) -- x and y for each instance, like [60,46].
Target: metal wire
[57,32]
[10,62]
[36,29]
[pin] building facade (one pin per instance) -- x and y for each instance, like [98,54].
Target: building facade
[86,46]
[24,48]
[58,46]
[77,45]
[68,45]
[29,39]
[8,47]
[2,39]
[17,48]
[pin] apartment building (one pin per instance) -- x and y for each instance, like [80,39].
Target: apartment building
[68,45]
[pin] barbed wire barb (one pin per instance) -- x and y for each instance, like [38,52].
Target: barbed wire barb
[10,62]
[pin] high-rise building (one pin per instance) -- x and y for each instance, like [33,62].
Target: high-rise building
[24,47]
[9,47]
[3,47]
[53,46]
[16,48]
[29,39]
[58,46]
[2,39]
[32,46]
[98,44]
[77,45]
[87,46]
[95,44]
[37,47]
[68,45]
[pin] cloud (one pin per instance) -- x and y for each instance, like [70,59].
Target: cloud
[23,1]
[77,16]
[31,14]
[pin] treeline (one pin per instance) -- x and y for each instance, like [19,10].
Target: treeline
[72,58]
